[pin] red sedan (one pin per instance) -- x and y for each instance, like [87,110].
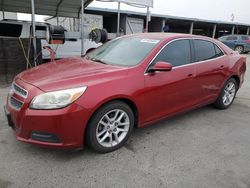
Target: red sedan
[128,82]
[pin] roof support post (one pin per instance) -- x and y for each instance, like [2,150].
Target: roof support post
[233,29]
[191,28]
[33,30]
[163,24]
[248,29]
[82,29]
[118,19]
[3,14]
[214,30]
[148,19]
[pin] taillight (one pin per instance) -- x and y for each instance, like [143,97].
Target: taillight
[248,41]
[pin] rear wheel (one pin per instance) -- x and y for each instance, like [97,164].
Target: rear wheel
[239,49]
[227,94]
[110,127]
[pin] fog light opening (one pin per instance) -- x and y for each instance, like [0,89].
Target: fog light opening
[44,137]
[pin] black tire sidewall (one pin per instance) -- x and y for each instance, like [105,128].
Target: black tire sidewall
[92,126]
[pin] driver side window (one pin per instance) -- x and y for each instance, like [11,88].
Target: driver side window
[177,53]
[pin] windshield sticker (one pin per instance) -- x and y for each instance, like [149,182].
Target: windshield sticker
[152,41]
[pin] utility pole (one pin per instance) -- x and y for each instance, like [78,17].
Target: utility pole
[214,30]
[191,28]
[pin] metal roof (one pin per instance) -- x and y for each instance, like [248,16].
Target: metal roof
[165,16]
[65,8]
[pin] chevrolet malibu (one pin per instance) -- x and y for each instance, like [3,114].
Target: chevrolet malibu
[129,82]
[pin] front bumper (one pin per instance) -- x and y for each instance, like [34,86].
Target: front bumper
[8,116]
[67,125]
[61,128]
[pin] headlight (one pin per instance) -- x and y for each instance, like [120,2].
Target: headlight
[57,99]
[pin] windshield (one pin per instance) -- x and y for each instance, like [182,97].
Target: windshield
[126,51]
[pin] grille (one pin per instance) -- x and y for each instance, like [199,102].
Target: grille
[15,103]
[19,91]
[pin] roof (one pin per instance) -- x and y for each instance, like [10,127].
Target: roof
[162,36]
[63,8]
[168,36]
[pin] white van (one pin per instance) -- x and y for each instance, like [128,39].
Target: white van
[23,29]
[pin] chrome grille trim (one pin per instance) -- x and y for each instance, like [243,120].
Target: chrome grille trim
[19,90]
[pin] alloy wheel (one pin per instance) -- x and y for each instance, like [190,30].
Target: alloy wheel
[112,128]
[239,49]
[229,93]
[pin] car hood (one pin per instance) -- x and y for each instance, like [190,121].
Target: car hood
[70,72]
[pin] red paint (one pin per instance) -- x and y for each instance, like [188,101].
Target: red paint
[248,41]
[162,66]
[156,96]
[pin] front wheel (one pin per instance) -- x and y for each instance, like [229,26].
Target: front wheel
[110,127]
[227,94]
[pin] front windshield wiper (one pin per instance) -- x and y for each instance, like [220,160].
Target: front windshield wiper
[98,60]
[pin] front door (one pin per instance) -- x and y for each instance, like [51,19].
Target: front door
[169,92]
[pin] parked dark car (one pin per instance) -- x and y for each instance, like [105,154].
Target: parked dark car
[239,43]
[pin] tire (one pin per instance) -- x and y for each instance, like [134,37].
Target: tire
[227,95]
[239,49]
[110,127]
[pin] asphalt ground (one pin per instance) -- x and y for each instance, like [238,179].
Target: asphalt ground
[202,148]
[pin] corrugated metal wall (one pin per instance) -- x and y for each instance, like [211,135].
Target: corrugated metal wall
[12,59]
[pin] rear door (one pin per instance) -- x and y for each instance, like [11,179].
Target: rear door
[212,66]
[231,41]
[169,92]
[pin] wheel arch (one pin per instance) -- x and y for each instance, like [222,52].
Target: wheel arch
[133,107]
[127,101]
[237,78]
[234,76]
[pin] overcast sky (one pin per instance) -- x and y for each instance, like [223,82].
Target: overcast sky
[219,10]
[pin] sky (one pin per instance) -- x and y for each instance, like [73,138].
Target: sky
[219,10]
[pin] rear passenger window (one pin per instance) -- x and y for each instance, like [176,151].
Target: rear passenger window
[177,53]
[205,50]
[218,51]
[232,38]
[244,37]
[222,38]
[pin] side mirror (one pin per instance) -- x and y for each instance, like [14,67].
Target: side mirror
[161,66]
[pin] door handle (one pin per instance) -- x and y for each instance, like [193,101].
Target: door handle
[190,75]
